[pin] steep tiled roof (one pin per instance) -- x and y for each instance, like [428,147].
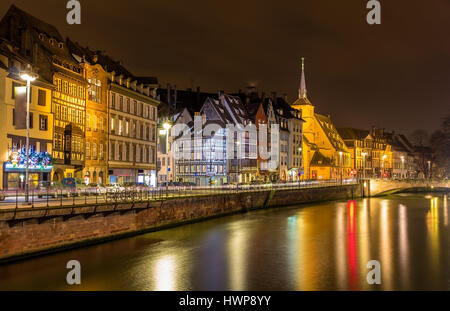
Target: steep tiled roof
[352,133]
[331,132]
[35,23]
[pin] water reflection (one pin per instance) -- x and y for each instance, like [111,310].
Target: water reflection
[316,247]
[164,273]
[433,229]
[403,242]
[352,245]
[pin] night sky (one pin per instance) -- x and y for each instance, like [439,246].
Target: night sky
[395,75]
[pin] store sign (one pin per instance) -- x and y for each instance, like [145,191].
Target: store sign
[10,166]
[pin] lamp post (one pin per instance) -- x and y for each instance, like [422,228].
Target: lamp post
[340,161]
[364,154]
[403,167]
[300,149]
[28,76]
[167,126]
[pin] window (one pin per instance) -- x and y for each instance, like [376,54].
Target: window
[100,152]
[94,151]
[101,123]
[121,103]
[120,151]
[141,110]
[120,127]
[128,105]
[43,123]
[113,100]
[42,96]
[135,107]
[148,133]
[88,149]
[127,128]
[31,120]
[94,92]
[113,125]
[112,154]
[13,89]
[95,123]
[88,121]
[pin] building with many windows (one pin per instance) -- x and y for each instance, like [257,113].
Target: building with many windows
[42,46]
[96,146]
[132,128]
[13,95]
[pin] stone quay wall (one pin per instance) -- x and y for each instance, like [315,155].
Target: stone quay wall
[31,232]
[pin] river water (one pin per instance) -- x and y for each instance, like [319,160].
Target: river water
[322,246]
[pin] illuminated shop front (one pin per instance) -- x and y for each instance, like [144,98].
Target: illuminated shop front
[40,169]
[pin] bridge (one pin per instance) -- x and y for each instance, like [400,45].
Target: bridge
[378,187]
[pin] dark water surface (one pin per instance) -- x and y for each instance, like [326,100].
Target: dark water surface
[322,246]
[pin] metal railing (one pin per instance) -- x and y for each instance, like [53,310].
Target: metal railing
[14,199]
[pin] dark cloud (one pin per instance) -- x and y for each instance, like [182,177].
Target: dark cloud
[394,75]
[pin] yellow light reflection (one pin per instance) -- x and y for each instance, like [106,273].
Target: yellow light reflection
[445,210]
[165,273]
[363,238]
[403,245]
[340,248]
[237,263]
[433,229]
[386,246]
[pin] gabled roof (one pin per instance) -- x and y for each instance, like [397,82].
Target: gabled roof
[353,134]
[191,100]
[330,131]
[34,22]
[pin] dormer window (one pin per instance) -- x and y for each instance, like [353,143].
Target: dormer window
[51,41]
[61,45]
[41,36]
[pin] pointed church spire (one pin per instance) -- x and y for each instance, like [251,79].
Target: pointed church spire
[302,91]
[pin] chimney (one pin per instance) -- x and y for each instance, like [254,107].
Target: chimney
[198,96]
[175,96]
[274,96]
[169,95]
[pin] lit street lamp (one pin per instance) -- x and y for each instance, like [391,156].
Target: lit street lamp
[167,126]
[28,76]
[403,167]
